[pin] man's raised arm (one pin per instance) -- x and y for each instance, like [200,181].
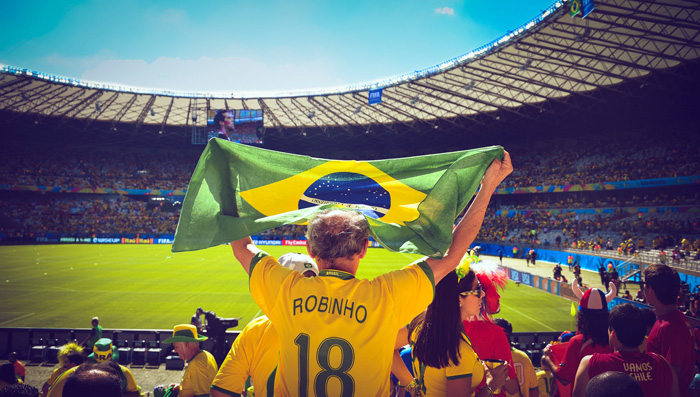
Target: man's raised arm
[468,227]
[244,250]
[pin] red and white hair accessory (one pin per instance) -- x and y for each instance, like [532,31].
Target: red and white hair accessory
[492,279]
[593,299]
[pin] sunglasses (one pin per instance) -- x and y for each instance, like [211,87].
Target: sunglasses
[475,292]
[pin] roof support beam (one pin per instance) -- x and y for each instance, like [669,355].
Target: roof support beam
[266,111]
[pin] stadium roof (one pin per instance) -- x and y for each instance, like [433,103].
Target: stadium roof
[553,57]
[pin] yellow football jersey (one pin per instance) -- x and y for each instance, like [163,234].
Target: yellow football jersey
[546,383]
[434,380]
[527,378]
[254,354]
[337,333]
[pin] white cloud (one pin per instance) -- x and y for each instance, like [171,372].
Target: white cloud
[224,75]
[445,11]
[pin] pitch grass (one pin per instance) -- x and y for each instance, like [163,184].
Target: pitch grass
[148,287]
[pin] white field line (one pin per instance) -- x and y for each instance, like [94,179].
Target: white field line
[17,318]
[528,317]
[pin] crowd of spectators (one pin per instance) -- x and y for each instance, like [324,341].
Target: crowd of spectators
[108,215]
[599,162]
[103,169]
[584,163]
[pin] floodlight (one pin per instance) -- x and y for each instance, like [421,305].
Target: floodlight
[414,100]
[97,107]
[358,110]
[312,114]
[153,113]
[526,64]
[24,96]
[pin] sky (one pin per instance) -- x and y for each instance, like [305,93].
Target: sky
[253,46]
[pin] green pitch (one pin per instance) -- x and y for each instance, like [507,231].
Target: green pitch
[148,287]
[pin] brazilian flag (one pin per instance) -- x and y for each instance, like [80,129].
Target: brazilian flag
[410,203]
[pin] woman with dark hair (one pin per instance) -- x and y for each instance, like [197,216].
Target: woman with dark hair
[443,359]
[591,336]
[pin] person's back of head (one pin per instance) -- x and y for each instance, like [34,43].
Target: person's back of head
[73,359]
[613,384]
[20,390]
[649,318]
[337,234]
[93,380]
[628,322]
[664,281]
[505,324]
[7,373]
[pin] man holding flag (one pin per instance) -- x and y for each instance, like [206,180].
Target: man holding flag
[336,332]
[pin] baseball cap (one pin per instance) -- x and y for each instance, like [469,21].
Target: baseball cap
[298,262]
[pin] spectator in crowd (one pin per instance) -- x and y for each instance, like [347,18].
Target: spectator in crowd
[626,332]
[95,335]
[69,356]
[103,353]
[20,369]
[671,335]
[627,295]
[94,379]
[201,366]
[649,321]
[19,390]
[444,360]
[337,240]
[613,384]
[255,351]
[592,335]
[527,378]
[489,341]
[7,375]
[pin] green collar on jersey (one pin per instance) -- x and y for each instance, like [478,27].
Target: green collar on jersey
[336,273]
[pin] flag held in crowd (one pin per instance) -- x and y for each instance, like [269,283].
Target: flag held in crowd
[410,203]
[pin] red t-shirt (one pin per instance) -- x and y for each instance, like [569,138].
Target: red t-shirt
[649,369]
[20,370]
[672,337]
[578,349]
[490,342]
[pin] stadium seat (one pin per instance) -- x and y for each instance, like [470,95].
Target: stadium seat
[37,351]
[52,351]
[138,354]
[535,353]
[174,363]
[124,351]
[153,353]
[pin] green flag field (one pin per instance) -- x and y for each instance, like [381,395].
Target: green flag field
[149,287]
